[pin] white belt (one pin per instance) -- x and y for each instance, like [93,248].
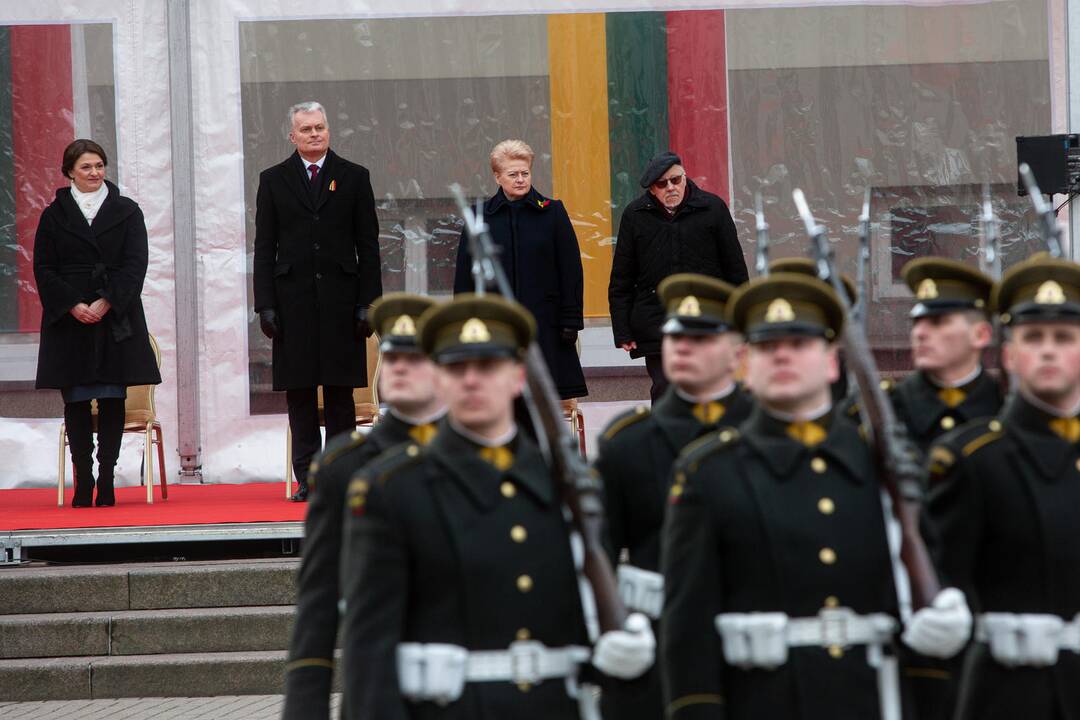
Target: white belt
[438,672]
[840,626]
[1020,629]
[641,590]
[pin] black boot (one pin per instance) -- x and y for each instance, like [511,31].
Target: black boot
[110,433]
[77,424]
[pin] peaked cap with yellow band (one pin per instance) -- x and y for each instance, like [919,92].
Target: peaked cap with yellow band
[471,326]
[694,304]
[1040,289]
[944,286]
[395,317]
[786,304]
[806,266]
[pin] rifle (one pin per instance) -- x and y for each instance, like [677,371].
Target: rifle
[899,471]
[859,312]
[578,486]
[990,263]
[1048,224]
[761,263]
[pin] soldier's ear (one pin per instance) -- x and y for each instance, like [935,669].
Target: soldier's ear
[1007,355]
[982,334]
[832,357]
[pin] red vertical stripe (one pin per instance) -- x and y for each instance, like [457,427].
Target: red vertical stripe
[697,96]
[43,125]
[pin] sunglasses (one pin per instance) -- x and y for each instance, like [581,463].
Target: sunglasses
[675,181]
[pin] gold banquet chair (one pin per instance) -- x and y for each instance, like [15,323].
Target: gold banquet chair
[366,400]
[139,417]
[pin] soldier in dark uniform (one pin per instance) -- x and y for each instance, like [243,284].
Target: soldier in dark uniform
[407,379]
[1005,502]
[779,574]
[638,448]
[950,329]
[463,594]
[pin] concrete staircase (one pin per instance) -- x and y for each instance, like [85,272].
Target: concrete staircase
[139,630]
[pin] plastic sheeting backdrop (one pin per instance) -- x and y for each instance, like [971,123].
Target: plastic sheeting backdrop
[921,104]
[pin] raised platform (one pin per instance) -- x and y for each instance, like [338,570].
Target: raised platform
[192,513]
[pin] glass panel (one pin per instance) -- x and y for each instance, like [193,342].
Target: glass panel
[56,84]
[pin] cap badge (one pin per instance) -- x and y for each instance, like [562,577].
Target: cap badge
[474,331]
[779,311]
[404,325]
[1050,293]
[927,290]
[689,307]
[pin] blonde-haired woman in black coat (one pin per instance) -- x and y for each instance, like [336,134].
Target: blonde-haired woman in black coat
[90,258]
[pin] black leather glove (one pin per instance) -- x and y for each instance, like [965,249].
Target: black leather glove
[568,335]
[363,327]
[268,323]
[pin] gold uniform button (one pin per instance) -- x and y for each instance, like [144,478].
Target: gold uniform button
[947,423]
[818,465]
[836,652]
[518,534]
[507,489]
[412,451]
[827,556]
[524,686]
[995,426]
[832,601]
[826,506]
[524,583]
[523,634]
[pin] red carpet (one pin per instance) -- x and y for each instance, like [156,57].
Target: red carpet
[35,509]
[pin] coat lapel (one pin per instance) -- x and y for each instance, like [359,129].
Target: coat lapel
[297,178]
[325,176]
[111,213]
[74,221]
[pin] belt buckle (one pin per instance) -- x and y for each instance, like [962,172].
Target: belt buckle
[835,626]
[525,661]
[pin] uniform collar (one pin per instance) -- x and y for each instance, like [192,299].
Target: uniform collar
[1040,445]
[767,435]
[480,479]
[924,396]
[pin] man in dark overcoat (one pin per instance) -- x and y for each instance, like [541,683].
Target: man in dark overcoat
[316,272]
[778,567]
[1004,499]
[674,227]
[463,593]
[407,386]
[639,447]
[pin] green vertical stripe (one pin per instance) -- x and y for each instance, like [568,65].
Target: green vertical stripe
[9,274]
[637,99]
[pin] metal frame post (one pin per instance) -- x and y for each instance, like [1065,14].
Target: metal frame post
[187,306]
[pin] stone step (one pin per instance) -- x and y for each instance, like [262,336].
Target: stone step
[38,590]
[146,632]
[173,675]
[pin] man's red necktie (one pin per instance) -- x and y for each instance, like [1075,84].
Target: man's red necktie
[314,170]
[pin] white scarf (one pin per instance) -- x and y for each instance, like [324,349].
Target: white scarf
[90,203]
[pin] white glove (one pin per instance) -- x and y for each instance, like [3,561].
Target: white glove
[1024,640]
[432,671]
[754,640]
[626,654]
[942,629]
[641,590]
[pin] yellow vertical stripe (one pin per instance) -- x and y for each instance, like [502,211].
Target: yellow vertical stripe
[577,52]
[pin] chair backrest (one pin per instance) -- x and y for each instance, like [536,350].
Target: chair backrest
[139,405]
[366,399]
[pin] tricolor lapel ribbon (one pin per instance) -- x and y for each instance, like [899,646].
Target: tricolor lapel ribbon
[333,185]
[543,203]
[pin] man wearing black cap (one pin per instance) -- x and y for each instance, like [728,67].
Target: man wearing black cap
[674,227]
[637,449]
[464,597]
[949,331]
[779,573]
[1004,503]
[407,385]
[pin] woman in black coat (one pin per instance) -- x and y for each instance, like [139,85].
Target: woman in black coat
[540,254]
[90,259]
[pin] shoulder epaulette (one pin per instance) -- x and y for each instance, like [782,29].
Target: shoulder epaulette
[625,420]
[706,445]
[962,441]
[336,448]
[378,472]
